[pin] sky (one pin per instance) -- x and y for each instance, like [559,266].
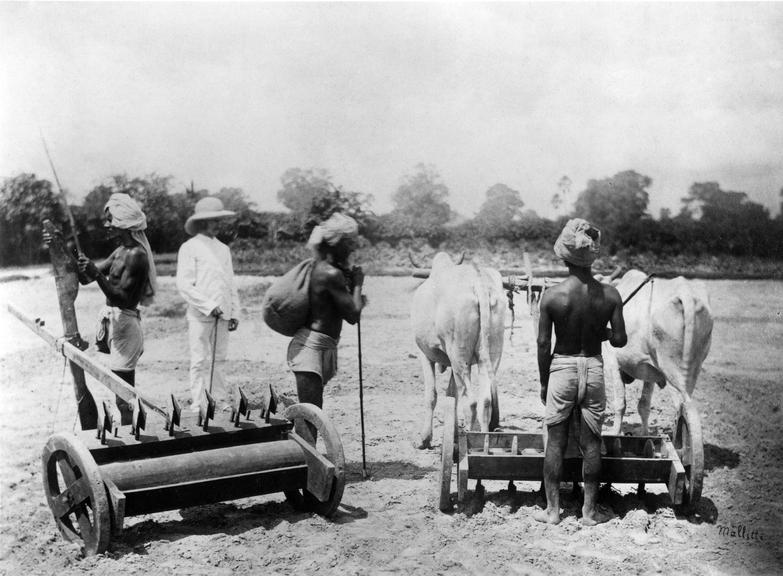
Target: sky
[234,94]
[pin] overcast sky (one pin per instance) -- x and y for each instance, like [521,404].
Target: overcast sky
[517,93]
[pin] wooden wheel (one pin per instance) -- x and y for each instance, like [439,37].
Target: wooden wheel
[302,415]
[690,448]
[76,493]
[447,453]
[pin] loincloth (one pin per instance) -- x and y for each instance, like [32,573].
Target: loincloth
[126,340]
[311,351]
[576,382]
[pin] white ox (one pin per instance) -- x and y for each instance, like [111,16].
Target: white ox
[458,316]
[669,326]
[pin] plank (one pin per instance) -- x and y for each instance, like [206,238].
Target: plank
[531,467]
[320,471]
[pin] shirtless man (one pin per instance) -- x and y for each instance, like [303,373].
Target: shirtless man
[127,278]
[572,377]
[335,295]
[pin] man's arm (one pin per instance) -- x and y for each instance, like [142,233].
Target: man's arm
[618,338]
[125,294]
[349,304]
[544,342]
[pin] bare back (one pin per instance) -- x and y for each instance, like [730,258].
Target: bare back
[580,309]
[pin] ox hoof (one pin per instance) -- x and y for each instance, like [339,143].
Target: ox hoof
[421,444]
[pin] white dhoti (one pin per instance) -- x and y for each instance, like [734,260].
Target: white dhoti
[125,337]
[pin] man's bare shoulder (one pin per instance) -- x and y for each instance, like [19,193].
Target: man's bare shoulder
[325,273]
[136,257]
[554,294]
[611,293]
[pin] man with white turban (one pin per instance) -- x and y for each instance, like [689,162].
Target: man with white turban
[205,279]
[127,278]
[335,295]
[572,375]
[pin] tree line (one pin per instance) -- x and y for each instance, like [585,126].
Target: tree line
[711,221]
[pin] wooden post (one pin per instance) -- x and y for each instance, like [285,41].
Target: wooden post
[67,282]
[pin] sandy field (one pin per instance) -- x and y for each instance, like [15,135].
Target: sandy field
[390,523]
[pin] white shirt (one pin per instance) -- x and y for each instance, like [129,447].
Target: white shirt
[205,277]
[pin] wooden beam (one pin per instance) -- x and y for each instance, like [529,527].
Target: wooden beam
[102,374]
[617,470]
[320,472]
[66,281]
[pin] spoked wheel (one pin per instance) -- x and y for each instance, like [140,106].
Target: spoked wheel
[76,493]
[690,448]
[447,453]
[302,415]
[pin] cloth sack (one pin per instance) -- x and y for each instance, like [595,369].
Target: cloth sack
[102,335]
[286,305]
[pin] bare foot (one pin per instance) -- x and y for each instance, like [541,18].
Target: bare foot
[599,515]
[547,516]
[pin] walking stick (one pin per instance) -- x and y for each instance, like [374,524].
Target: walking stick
[361,394]
[214,347]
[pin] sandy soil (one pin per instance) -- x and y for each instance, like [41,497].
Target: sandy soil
[390,523]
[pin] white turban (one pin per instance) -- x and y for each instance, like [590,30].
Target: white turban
[125,212]
[127,215]
[331,231]
[578,243]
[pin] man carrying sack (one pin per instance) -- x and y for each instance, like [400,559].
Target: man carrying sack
[335,294]
[205,279]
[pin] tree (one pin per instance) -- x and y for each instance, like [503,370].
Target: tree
[420,202]
[301,187]
[312,197]
[728,221]
[165,215]
[561,196]
[502,205]
[615,205]
[25,201]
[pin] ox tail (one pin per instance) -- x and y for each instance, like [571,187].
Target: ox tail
[481,289]
[689,323]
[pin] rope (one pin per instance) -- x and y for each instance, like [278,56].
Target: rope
[59,399]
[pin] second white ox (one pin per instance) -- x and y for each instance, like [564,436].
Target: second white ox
[669,326]
[458,316]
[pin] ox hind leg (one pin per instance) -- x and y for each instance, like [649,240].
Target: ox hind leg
[460,385]
[430,399]
[488,412]
[645,401]
[614,381]
[494,419]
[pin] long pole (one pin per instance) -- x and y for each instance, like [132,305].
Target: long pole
[361,394]
[639,287]
[214,349]
[62,196]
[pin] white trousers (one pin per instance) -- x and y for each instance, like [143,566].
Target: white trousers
[203,334]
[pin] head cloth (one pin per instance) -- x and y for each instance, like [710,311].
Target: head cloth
[331,231]
[578,243]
